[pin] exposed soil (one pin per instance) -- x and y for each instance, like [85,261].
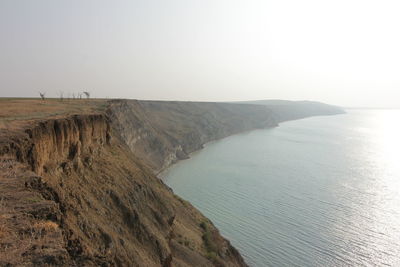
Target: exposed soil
[74,194]
[78,184]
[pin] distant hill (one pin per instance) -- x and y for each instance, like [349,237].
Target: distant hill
[291,110]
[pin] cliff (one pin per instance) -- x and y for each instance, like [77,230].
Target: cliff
[285,110]
[162,132]
[78,187]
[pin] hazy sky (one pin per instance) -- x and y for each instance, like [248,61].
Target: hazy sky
[344,52]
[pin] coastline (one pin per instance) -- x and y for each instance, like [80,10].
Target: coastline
[161,173]
[82,168]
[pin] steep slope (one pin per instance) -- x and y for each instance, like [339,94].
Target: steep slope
[75,194]
[163,132]
[81,190]
[88,201]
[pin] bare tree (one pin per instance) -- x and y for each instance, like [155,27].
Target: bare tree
[61,95]
[87,94]
[80,96]
[42,95]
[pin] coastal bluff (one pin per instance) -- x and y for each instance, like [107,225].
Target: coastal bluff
[79,185]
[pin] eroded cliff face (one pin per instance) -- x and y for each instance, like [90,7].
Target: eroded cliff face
[162,132]
[81,191]
[47,143]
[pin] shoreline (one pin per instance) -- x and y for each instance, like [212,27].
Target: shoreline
[96,164]
[161,173]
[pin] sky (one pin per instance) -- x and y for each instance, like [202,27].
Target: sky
[343,52]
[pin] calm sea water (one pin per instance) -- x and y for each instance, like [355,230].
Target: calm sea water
[322,191]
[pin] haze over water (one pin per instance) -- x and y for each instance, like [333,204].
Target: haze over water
[322,191]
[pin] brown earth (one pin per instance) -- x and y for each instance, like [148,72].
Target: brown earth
[78,184]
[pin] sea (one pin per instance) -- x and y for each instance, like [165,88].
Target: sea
[320,191]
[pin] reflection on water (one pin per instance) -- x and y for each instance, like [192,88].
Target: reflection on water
[322,191]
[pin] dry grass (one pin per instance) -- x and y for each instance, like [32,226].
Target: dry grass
[2,207]
[3,229]
[14,112]
[46,225]
[20,233]
[15,243]
[7,168]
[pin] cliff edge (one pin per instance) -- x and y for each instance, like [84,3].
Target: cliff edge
[78,184]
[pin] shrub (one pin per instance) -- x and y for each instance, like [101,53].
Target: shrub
[203,225]
[212,256]
[208,239]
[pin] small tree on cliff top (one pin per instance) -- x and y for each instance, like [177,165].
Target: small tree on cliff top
[61,95]
[42,95]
